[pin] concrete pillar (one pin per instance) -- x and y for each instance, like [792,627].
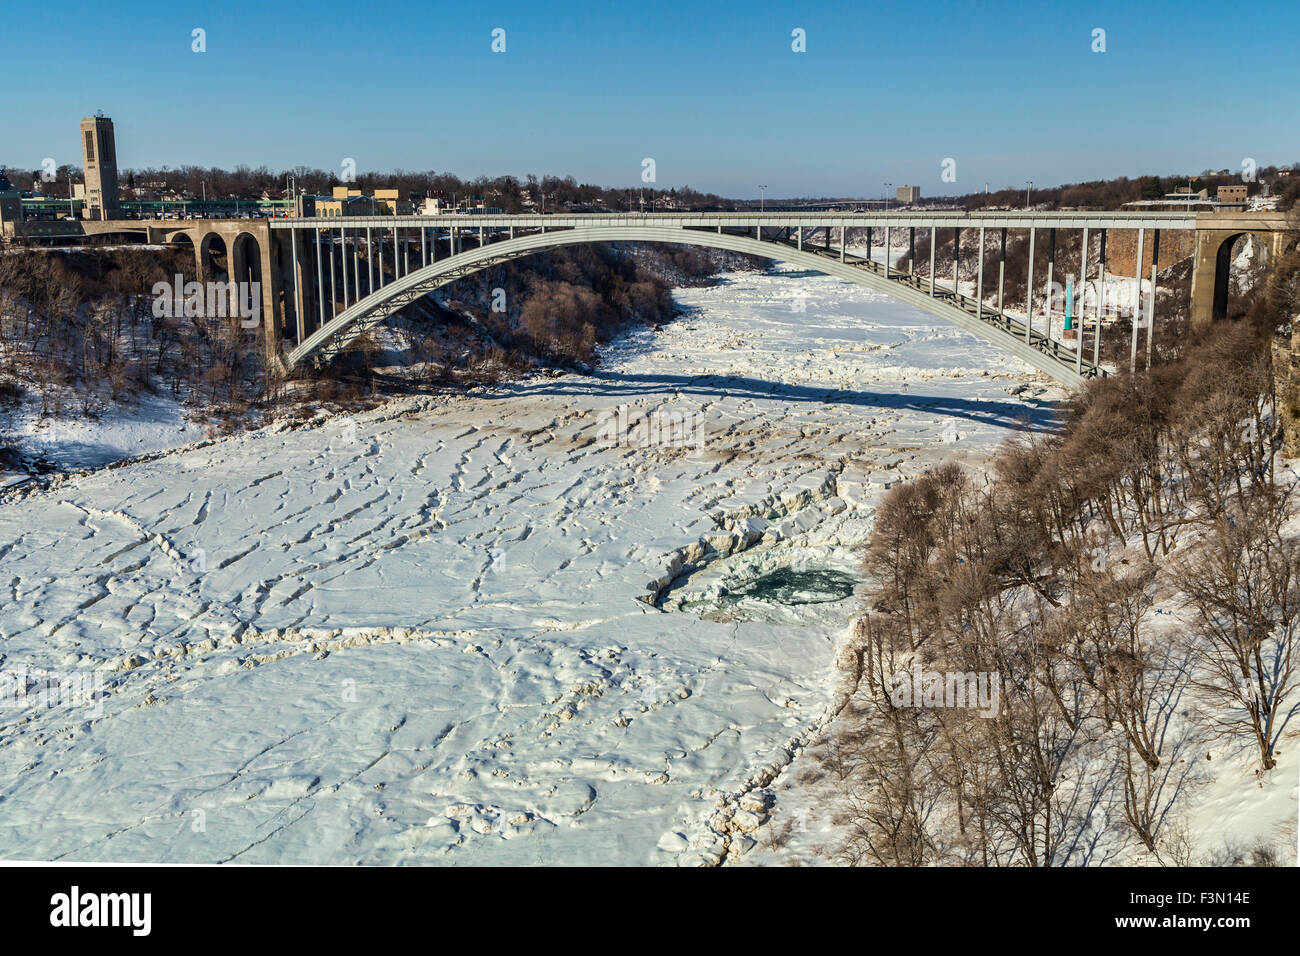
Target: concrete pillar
[1002,277]
[343,263]
[333,277]
[200,274]
[1151,306]
[911,250]
[320,278]
[356,265]
[979,281]
[270,277]
[1137,311]
[1101,299]
[932,232]
[297,288]
[1083,285]
[888,248]
[1029,291]
[956,260]
[1051,268]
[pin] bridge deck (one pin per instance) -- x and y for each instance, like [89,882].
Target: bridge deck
[749,220]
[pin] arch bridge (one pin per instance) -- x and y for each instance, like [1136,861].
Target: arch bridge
[327,280]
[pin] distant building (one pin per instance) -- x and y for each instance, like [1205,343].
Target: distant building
[1231,195]
[388,203]
[99,159]
[908,194]
[11,207]
[345,201]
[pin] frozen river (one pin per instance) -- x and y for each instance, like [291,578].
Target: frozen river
[489,628]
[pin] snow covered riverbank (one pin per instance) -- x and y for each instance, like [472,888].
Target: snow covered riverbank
[422,634]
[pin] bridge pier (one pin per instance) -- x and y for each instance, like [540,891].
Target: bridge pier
[1101,299]
[1151,306]
[1212,268]
[1029,292]
[1051,268]
[1083,286]
[1137,311]
[932,232]
[1002,274]
[956,260]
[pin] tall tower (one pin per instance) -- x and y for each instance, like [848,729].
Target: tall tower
[99,159]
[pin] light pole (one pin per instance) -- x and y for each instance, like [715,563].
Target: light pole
[1028,188]
[762,198]
[886,194]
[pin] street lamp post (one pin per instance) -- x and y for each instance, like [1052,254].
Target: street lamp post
[886,194]
[762,200]
[1028,189]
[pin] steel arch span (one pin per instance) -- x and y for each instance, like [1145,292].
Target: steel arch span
[1028,345]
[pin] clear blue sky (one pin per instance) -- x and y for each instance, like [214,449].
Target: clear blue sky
[711,91]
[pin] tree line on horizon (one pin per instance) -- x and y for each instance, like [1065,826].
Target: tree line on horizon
[513,194]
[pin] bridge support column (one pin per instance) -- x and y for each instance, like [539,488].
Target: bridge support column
[1151,305]
[1083,287]
[956,261]
[296,266]
[1101,300]
[333,310]
[1029,292]
[268,257]
[1137,311]
[798,238]
[1002,278]
[844,240]
[343,263]
[1051,268]
[979,282]
[911,250]
[370,264]
[889,249]
[932,231]
[356,266]
[320,278]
